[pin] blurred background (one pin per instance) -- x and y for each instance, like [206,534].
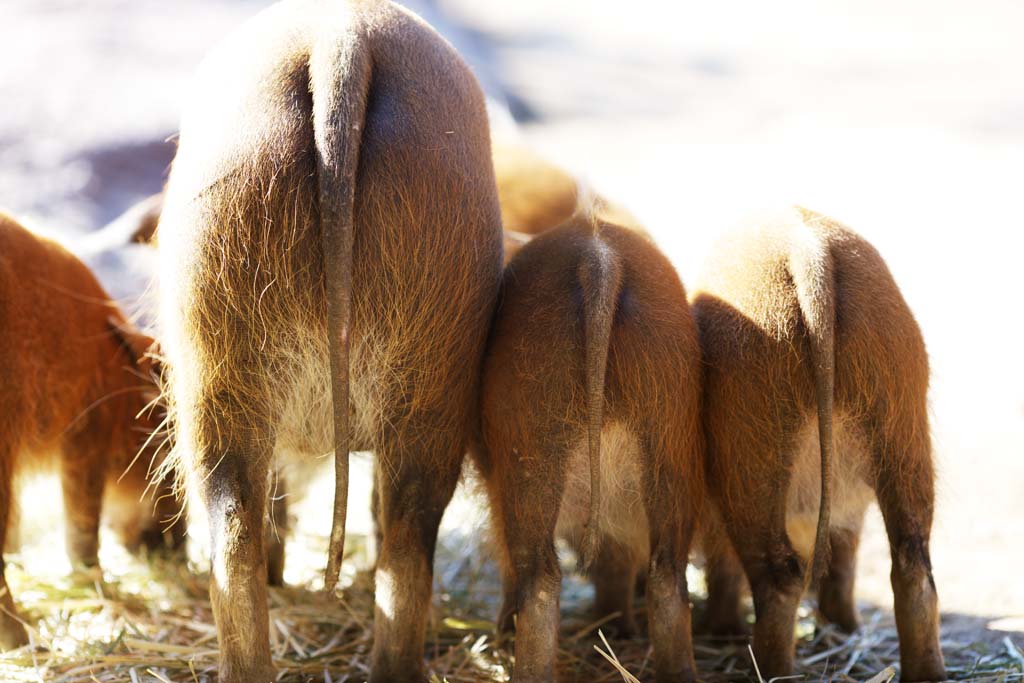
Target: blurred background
[903,119]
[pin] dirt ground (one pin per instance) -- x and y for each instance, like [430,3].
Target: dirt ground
[904,119]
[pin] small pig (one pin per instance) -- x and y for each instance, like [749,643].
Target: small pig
[591,432]
[815,400]
[75,392]
[537,195]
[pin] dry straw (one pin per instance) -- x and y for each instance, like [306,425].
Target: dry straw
[146,622]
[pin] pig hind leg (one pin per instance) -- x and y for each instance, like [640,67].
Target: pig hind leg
[776,582]
[614,575]
[527,505]
[905,490]
[672,525]
[378,534]
[419,467]
[773,567]
[507,614]
[724,616]
[835,592]
[229,472]
[83,474]
[12,632]
[276,529]
[167,529]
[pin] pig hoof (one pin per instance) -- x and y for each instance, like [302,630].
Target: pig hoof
[929,673]
[684,676]
[275,567]
[156,541]
[275,577]
[12,634]
[845,624]
[249,674]
[844,617]
[621,628]
[85,574]
[83,561]
[507,622]
[733,627]
[415,676]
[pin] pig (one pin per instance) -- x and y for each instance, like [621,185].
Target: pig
[537,195]
[74,376]
[590,431]
[815,401]
[330,254]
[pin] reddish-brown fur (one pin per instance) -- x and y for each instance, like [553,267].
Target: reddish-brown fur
[537,196]
[534,196]
[798,318]
[331,228]
[73,379]
[593,337]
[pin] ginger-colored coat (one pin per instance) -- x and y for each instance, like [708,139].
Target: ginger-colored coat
[591,431]
[814,364]
[330,254]
[75,394]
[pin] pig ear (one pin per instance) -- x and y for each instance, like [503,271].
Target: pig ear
[141,348]
[147,219]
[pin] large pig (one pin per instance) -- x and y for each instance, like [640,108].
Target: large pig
[330,255]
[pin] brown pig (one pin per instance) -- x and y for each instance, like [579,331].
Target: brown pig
[591,432]
[330,254]
[74,376]
[536,196]
[815,401]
